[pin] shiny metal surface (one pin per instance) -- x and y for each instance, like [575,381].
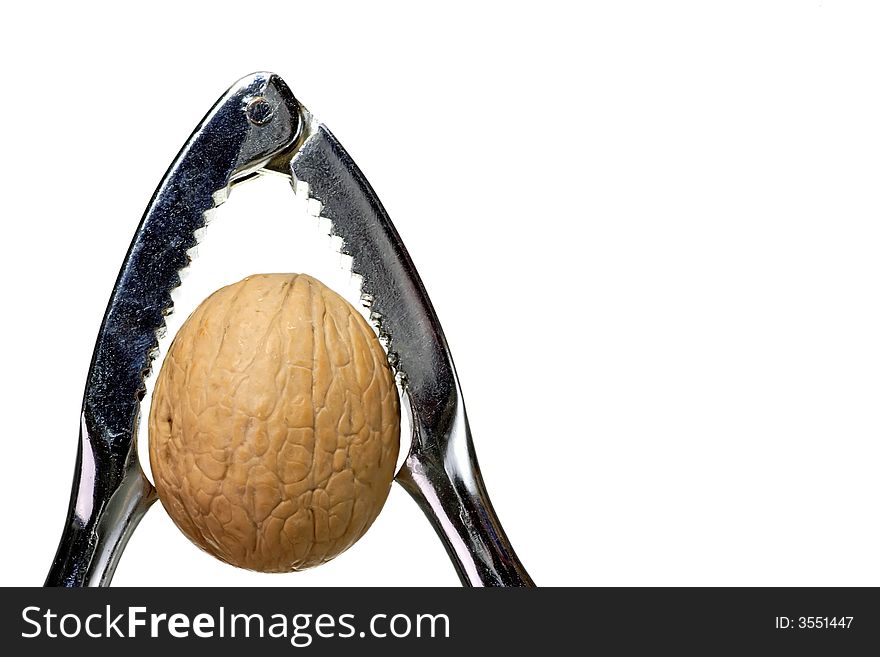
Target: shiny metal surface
[257,126]
[110,492]
[441,471]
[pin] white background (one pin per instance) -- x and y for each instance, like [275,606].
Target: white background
[650,231]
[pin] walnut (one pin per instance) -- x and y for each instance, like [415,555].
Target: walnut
[275,424]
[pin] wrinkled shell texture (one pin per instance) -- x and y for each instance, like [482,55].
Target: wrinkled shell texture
[275,424]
